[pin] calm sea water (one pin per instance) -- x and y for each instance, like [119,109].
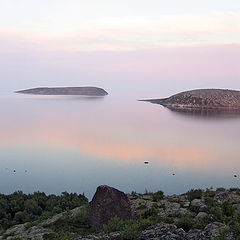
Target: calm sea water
[66,143]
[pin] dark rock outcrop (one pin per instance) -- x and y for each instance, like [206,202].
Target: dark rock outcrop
[107,203]
[87,91]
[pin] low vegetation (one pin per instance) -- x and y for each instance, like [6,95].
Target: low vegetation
[224,213]
[18,208]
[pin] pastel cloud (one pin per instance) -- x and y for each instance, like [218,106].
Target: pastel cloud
[134,32]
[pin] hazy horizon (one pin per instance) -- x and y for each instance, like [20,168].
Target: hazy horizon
[143,49]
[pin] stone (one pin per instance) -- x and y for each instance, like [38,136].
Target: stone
[163,231]
[147,197]
[16,230]
[212,230]
[201,215]
[107,203]
[20,232]
[199,204]
[61,216]
[231,197]
[186,204]
[139,206]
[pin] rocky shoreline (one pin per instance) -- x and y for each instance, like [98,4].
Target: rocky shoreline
[195,215]
[206,99]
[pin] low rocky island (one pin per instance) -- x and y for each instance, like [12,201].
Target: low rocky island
[208,99]
[86,91]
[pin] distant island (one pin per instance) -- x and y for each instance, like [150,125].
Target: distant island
[208,99]
[87,91]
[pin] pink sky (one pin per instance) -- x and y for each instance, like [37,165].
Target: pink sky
[162,47]
[156,73]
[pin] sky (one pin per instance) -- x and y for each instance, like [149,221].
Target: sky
[160,46]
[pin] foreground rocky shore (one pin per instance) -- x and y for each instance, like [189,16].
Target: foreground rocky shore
[197,214]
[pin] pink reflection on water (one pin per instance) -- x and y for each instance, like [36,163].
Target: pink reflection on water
[129,133]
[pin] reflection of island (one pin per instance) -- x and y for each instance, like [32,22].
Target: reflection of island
[87,91]
[202,99]
[208,113]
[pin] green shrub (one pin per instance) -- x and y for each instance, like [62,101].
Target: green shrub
[221,189]
[194,209]
[222,235]
[233,189]
[141,206]
[185,222]
[131,228]
[169,220]
[68,223]
[50,236]
[81,219]
[19,208]
[131,231]
[144,223]
[201,223]
[151,212]
[113,225]
[157,196]
[209,201]
[228,209]
[194,194]
[217,214]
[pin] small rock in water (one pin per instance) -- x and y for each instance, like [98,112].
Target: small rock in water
[14,170]
[146,162]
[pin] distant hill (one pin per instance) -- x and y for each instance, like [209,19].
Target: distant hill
[88,91]
[202,99]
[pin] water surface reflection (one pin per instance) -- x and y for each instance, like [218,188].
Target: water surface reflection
[208,113]
[76,144]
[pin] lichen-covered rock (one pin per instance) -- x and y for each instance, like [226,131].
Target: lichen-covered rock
[140,205]
[163,231]
[21,232]
[199,204]
[61,216]
[212,230]
[231,197]
[16,230]
[201,215]
[107,203]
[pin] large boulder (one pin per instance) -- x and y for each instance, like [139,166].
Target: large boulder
[199,203]
[107,203]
